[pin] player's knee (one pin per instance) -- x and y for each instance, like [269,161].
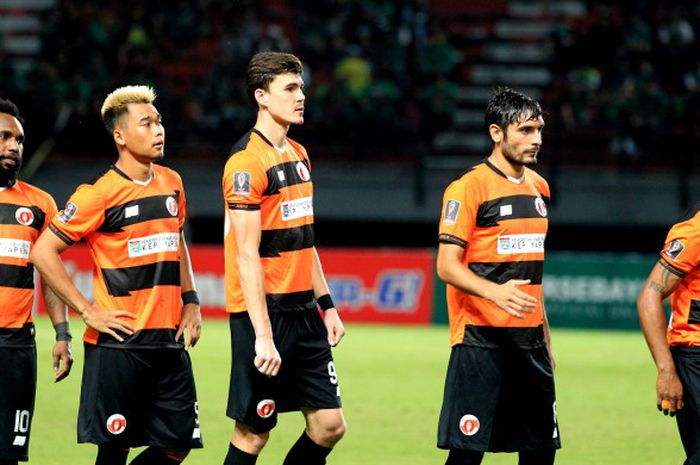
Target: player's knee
[249,440]
[329,433]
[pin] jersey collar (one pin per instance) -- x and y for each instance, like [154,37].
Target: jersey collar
[501,173]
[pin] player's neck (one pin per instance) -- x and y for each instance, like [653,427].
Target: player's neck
[273,131]
[136,170]
[508,167]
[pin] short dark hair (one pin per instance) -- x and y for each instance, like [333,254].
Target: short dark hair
[507,106]
[7,106]
[265,66]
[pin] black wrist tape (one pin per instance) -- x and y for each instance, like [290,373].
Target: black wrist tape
[63,332]
[190,297]
[325,302]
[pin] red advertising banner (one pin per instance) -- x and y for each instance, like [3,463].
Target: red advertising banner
[367,285]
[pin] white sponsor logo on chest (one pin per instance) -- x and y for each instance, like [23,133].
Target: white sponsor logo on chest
[297,208]
[15,248]
[131,211]
[157,243]
[521,243]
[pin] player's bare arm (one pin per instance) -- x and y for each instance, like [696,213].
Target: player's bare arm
[662,281]
[548,336]
[46,256]
[191,319]
[506,296]
[247,228]
[58,313]
[331,318]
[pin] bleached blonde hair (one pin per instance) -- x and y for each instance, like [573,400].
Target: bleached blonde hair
[116,103]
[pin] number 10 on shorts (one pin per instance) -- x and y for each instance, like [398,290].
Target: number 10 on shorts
[21,421]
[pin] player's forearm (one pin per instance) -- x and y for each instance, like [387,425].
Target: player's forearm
[458,275]
[55,307]
[318,279]
[54,272]
[252,284]
[186,274]
[653,322]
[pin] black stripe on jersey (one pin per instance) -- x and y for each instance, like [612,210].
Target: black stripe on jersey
[17,276]
[492,337]
[149,208]
[521,206]
[8,215]
[694,313]
[120,281]
[500,272]
[243,206]
[289,177]
[292,301]
[275,241]
[450,239]
[61,235]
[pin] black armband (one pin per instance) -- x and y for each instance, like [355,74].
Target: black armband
[63,332]
[190,297]
[325,302]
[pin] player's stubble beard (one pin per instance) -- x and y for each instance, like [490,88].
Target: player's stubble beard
[517,159]
[8,173]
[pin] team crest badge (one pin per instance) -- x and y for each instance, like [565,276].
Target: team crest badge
[241,183]
[469,425]
[674,249]
[303,171]
[24,216]
[171,205]
[67,213]
[116,424]
[540,206]
[266,408]
[451,211]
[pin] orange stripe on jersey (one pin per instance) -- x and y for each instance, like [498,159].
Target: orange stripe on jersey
[278,183]
[502,224]
[133,232]
[24,213]
[681,255]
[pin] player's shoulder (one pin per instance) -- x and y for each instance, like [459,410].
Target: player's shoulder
[166,172]
[690,217]
[247,149]
[298,147]
[472,175]
[34,192]
[537,179]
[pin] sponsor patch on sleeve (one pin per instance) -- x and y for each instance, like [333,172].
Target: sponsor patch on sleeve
[674,249]
[67,213]
[241,183]
[451,211]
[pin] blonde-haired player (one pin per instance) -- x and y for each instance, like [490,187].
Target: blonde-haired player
[137,388]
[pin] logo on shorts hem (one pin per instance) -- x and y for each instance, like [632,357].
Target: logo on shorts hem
[266,408]
[469,425]
[116,424]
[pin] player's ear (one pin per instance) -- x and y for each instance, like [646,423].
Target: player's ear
[261,97]
[118,136]
[496,133]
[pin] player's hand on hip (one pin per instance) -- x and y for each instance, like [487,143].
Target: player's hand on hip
[267,358]
[108,321]
[190,325]
[511,299]
[669,392]
[62,360]
[334,325]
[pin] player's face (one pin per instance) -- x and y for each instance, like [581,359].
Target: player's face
[285,99]
[522,141]
[11,145]
[141,131]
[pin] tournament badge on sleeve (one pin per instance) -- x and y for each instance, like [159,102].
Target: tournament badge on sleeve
[451,211]
[241,183]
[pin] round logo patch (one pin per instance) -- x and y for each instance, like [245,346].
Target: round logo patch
[469,425]
[24,216]
[266,408]
[116,424]
[541,206]
[303,172]
[171,205]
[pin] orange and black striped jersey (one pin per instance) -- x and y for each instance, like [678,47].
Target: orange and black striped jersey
[25,211]
[681,255]
[257,176]
[133,232]
[501,223]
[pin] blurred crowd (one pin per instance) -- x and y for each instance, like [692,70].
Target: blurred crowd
[377,71]
[627,82]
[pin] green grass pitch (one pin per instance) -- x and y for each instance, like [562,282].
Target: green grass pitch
[391,379]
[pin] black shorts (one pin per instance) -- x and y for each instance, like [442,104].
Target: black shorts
[17,392]
[138,397]
[307,376]
[687,360]
[499,400]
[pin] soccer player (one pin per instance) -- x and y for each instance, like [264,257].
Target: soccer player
[137,387]
[281,347]
[675,346]
[25,212]
[499,390]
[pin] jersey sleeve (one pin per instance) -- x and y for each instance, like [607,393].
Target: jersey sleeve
[244,182]
[458,214]
[82,215]
[51,210]
[682,247]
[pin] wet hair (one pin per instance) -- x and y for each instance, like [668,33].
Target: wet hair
[265,66]
[507,106]
[7,106]
[116,103]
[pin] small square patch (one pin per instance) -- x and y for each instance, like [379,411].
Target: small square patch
[241,183]
[451,212]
